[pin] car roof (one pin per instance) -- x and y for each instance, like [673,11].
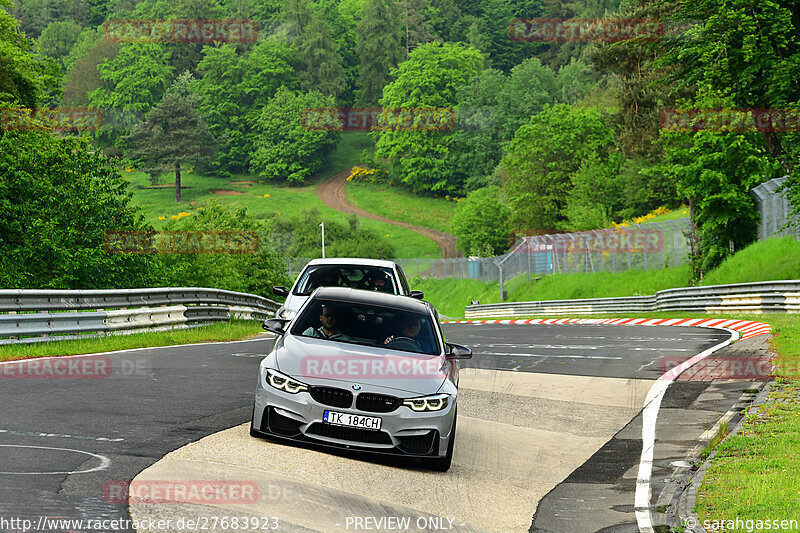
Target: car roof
[361,296]
[352,261]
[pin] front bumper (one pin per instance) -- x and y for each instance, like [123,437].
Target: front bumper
[403,432]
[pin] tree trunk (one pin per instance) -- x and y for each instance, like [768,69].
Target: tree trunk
[777,151]
[694,243]
[407,47]
[178,182]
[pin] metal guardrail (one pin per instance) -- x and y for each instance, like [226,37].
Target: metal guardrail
[759,297]
[32,315]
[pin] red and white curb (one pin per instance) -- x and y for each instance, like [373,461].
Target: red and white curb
[745,328]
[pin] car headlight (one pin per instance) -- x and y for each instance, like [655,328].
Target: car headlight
[284,382]
[437,402]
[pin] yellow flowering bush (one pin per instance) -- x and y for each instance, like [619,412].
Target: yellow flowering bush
[361,174]
[642,219]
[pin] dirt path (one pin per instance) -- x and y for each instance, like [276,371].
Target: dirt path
[331,192]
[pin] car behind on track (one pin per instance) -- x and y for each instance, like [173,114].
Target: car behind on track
[369,274]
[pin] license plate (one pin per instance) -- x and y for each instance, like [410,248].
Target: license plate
[353,421]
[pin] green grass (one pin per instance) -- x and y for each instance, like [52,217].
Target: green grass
[776,258]
[723,432]
[449,296]
[223,331]
[288,201]
[756,473]
[283,199]
[395,203]
[597,284]
[773,259]
[453,294]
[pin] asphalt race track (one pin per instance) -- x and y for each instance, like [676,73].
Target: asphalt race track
[549,437]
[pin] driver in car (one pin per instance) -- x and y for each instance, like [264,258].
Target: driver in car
[330,278]
[329,328]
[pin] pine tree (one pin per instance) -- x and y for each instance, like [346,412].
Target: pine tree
[173,135]
[379,48]
[296,16]
[416,30]
[320,63]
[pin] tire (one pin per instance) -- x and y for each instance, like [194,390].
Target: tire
[442,464]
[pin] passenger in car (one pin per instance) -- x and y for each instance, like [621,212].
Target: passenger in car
[410,326]
[377,281]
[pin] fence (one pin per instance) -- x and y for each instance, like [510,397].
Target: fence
[647,246]
[30,315]
[774,209]
[761,297]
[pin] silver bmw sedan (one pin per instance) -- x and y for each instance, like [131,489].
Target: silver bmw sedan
[361,370]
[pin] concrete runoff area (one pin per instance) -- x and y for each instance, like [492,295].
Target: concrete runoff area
[501,467]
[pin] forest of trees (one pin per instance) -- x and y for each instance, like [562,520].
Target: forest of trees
[564,134]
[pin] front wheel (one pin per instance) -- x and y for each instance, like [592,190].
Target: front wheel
[442,464]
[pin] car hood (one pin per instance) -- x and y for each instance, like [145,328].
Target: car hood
[372,369]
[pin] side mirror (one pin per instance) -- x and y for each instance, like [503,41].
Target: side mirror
[280,290]
[417,295]
[276,325]
[456,351]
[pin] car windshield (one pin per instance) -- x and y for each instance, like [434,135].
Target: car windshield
[356,277]
[368,325]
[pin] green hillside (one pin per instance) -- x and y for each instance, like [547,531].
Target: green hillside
[772,259]
[261,200]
